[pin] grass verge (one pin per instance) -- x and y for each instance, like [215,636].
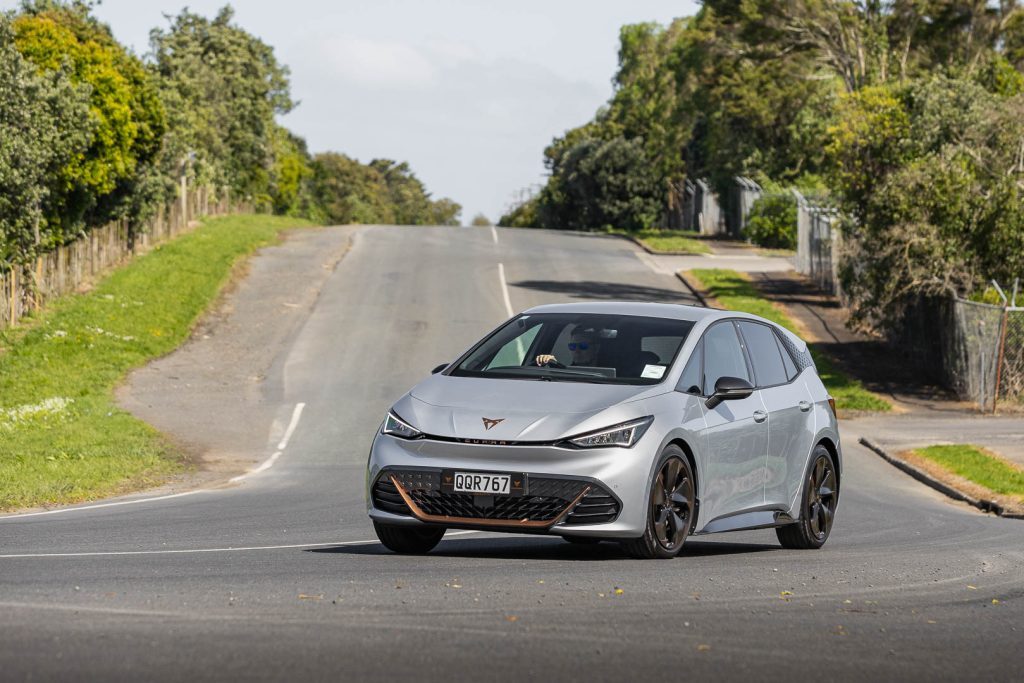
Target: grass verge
[735,292]
[670,242]
[62,437]
[978,467]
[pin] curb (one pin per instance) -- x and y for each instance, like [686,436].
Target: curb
[693,289]
[646,248]
[928,480]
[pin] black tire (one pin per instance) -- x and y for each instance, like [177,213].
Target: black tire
[670,506]
[818,506]
[407,540]
[582,540]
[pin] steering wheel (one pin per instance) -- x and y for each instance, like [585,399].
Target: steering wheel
[553,363]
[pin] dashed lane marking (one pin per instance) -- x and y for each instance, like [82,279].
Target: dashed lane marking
[296,414]
[504,290]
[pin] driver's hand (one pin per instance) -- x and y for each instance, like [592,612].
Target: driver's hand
[544,359]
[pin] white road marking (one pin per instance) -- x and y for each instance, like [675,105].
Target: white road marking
[504,290]
[100,505]
[187,551]
[494,234]
[265,465]
[296,414]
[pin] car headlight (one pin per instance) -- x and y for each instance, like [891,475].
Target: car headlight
[396,426]
[623,435]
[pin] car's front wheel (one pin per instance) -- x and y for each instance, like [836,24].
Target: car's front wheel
[821,495]
[670,507]
[409,540]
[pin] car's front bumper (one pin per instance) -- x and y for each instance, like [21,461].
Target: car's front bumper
[588,474]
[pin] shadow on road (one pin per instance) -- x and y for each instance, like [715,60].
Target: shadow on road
[589,289]
[518,548]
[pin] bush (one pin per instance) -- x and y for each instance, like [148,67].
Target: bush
[772,221]
[601,185]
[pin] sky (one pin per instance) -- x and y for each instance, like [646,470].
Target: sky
[469,92]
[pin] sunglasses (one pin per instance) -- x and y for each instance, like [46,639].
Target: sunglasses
[582,346]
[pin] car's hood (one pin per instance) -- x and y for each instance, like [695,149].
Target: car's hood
[525,410]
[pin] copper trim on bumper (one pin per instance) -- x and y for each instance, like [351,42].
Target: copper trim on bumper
[419,514]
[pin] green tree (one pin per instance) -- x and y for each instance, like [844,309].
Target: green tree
[128,120]
[291,176]
[598,184]
[445,211]
[44,126]
[222,87]
[350,192]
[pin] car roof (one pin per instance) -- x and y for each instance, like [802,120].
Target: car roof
[689,312]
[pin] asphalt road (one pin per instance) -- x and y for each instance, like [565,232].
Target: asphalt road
[278,576]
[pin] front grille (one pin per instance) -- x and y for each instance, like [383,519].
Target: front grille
[546,499]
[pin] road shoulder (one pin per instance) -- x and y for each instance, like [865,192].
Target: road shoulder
[213,396]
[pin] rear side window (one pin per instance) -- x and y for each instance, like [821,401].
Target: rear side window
[764,354]
[787,361]
[802,359]
[723,356]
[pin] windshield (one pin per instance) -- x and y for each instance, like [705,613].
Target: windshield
[579,347]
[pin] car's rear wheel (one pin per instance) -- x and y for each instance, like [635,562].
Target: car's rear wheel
[821,495]
[409,540]
[670,506]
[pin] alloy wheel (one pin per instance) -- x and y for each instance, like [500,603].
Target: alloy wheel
[672,498]
[821,502]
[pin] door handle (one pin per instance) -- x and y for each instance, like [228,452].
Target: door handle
[760,416]
[804,406]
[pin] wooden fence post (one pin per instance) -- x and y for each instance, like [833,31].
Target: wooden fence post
[14,289]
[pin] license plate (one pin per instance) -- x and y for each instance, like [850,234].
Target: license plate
[484,483]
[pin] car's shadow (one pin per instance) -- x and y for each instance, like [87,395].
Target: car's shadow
[525,548]
[615,291]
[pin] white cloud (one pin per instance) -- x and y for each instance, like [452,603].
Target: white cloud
[378,63]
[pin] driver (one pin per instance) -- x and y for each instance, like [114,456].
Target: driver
[583,344]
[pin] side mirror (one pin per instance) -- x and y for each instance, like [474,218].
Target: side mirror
[729,389]
[439,368]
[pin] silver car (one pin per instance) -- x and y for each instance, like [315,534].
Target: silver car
[641,423]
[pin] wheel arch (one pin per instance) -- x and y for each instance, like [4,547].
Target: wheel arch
[688,452]
[833,450]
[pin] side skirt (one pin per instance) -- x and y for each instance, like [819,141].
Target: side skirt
[757,519]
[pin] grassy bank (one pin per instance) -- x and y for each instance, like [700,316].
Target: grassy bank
[735,292]
[670,242]
[62,438]
[978,467]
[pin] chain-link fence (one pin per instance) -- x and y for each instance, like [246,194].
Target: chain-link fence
[976,349]
[1010,371]
[817,242]
[970,351]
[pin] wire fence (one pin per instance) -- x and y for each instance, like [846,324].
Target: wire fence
[818,241]
[976,349]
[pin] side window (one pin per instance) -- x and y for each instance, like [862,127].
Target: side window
[723,356]
[787,361]
[513,352]
[689,381]
[764,354]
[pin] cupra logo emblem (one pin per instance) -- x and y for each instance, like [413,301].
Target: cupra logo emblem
[489,422]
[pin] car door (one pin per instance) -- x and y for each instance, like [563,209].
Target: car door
[790,420]
[736,432]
